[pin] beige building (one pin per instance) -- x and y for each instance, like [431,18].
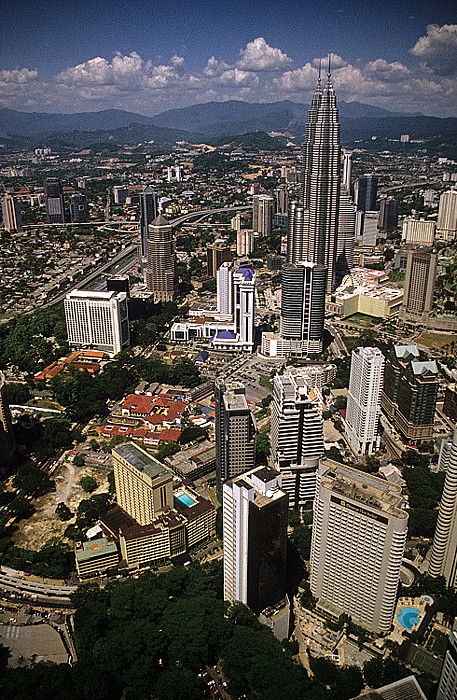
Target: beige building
[144,486]
[446,227]
[419,284]
[95,557]
[418,231]
[12,220]
[358,540]
[161,274]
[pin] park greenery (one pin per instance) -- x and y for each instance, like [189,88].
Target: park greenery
[151,637]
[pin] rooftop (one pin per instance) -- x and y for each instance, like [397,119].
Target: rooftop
[140,459]
[95,548]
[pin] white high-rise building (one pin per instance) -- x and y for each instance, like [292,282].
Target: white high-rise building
[446,226]
[447,688]
[225,290]
[347,169]
[255,539]
[262,214]
[364,399]
[346,234]
[418,231]
[97,320]
[244,305]
[12,219]
[358,541]
[244,242]
[443,558]
[297,434]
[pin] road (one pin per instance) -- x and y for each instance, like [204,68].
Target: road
[22,586]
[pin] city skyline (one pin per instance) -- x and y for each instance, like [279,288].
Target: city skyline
[131,57]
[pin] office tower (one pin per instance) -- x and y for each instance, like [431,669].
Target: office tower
[97,320]
[235,432]
[262,214]
[364,399]
[446,225]
[148,212]
[303,306]
[216,254]
[55,209]
[79,209]
[404,689]
[366,227]
[358,539]
[316,240]
[388,214]
[255,539]
[118,283]
[281,198]
[410,392]
[7,441]
[174,173]
[418,231]
[447,688]
[120,194]
[244,242]
[346,235]
[443,558]
[235,222]
[366,193]
[297,434]
[419,284]
[450,400]
[347,169]
[144,486]
[244,305]
[11,211]
[161,273]
[225,290]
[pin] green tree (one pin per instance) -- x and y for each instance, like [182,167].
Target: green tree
[79,460]
[88,484]
[262,447]
[63,512]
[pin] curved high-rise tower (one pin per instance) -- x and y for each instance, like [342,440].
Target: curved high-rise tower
[320,191]
[443,560]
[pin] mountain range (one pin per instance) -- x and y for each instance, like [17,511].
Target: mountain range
[211,120]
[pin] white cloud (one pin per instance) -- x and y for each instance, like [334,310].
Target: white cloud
[215,67]
[438,49]
[257,55]
[18,76]
[237,77]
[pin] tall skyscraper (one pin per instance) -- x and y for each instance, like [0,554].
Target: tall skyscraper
[161,273]
[281,198]
[316,240]
[447,688]
[244,242]
[235,432]
[148,212]
[358,540]
[418,231]
[7,441]
[255,539]
[244,305]
[297,435]
[216,254]
[11,211]
[79,210]
[144,486]
[97,320]
[346,180]
[262,214]
[446,225]
[303,306]
[443,559]
[366,193]
[225,290]
[419,284]
[364,399]
[410,392]
[388,214]
[55,208]
[346,236]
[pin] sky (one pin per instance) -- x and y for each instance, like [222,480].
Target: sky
[147,56]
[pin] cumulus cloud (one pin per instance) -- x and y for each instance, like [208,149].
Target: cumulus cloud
[382,70]
[18,76]
[215,67]
[257,55]
[237,77]
[438,49]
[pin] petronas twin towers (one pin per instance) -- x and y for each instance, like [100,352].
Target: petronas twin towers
[313,220]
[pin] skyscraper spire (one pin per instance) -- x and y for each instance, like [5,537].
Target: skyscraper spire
[315,240]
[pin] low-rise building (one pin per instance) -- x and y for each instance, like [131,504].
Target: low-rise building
[96,557]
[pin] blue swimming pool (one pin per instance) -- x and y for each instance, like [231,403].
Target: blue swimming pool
[408,617]
[184,500]
[427,599]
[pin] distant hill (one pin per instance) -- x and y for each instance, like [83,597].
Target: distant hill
[215,121]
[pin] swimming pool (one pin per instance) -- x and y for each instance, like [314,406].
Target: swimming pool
[427,599]
[409,617]
[184,500]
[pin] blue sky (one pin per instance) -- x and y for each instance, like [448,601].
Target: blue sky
[147,56]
